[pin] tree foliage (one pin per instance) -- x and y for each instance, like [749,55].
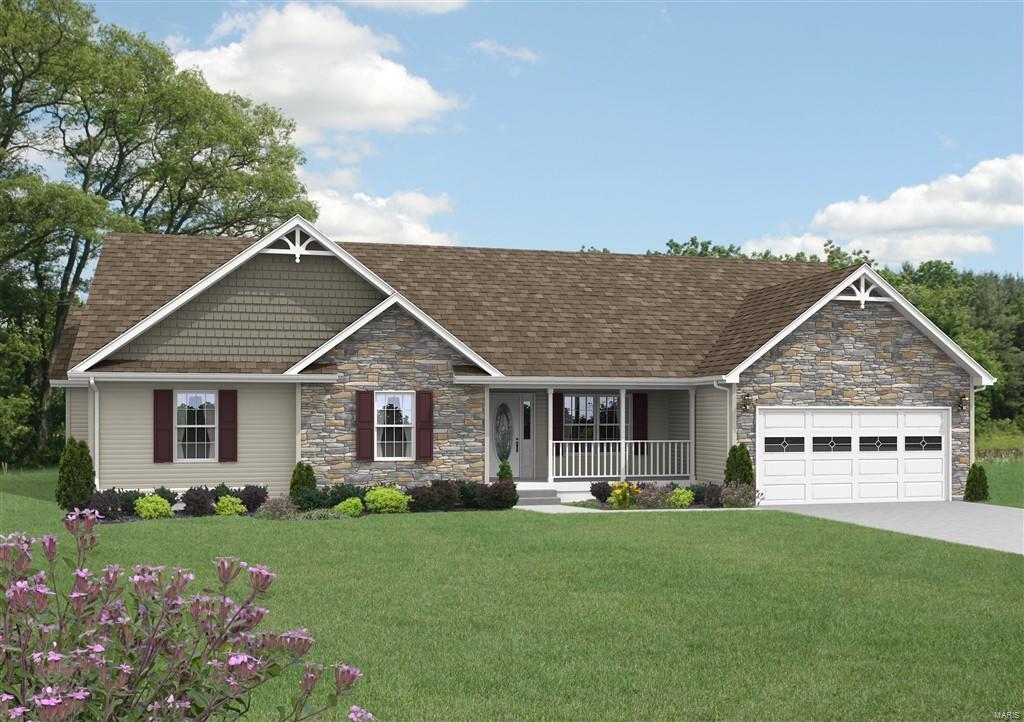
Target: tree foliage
[76,477]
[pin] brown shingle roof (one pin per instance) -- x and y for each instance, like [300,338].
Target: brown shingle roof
[529,313]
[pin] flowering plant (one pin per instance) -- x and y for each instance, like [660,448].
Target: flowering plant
[625,495]
[119,646]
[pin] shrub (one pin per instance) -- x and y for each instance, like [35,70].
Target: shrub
[229,506]
[681,498]
[738,467]
[280,508]
[504,469]
[76,476]
[153,507]
[337,493]
[164,493]
[223,489]
[302,478]
[252,496]
[128,498]
[653,496]
[107,503]
[713,495]
[447,493]
[387,500]
[198,501]
[424,498]
[322,514]
[501,494]
[625,495]
[140,645]
[698,493]
[977,484]
[601,490]
[309,499]
[353,506]
[469,493]
[739,495]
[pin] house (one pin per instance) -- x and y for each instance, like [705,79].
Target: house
[202,360]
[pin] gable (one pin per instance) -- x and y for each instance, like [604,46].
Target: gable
[266,314]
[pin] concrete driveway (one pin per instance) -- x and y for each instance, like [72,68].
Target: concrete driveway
[981,525]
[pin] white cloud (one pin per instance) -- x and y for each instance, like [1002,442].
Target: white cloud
[320,68]
[497,50]
[402,217]
[946,218]
[420,7]
[176,42]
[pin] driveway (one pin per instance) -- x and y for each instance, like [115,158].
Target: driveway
[981,525]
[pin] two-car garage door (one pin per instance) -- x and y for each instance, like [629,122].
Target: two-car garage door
[826,455]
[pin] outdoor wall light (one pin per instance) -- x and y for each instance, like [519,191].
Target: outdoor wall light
[961,403]
[747,402]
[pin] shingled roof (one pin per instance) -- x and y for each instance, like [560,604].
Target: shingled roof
[529,313]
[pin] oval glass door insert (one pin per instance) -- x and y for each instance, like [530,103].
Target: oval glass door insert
[503,432]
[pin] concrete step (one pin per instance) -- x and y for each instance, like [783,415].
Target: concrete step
[534,497]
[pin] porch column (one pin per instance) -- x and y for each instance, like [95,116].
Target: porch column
[691,468]
[551,435]
[622,434]
[487,434]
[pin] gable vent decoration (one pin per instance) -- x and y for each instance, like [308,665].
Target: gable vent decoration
[298,243]
[863,291]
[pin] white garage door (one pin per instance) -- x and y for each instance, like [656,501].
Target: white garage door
[826,455]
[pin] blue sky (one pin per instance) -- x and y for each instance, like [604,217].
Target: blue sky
[552,125]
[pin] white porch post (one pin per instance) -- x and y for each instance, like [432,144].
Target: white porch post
[691,467]
[487,434]
[622,434]
[551,435]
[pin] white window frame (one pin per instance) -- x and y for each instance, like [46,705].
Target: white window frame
[411,426]
[215,426]
[596,424]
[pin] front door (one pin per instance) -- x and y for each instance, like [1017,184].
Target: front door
[511,429]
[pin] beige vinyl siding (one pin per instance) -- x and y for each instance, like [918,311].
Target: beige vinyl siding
[540,434]
[76,403]
[712,435]
[266,439]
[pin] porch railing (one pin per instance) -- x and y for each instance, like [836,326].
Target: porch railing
[602,459]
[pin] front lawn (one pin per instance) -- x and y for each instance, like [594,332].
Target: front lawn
[1005,482]
[521,616]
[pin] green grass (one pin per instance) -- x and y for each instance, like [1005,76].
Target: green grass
[521,616]
[1001,440]
[1005,482]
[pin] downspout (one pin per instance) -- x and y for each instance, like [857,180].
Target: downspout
[96,428]
[728,415]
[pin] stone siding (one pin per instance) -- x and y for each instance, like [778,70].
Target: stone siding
[394,352]
[848,356]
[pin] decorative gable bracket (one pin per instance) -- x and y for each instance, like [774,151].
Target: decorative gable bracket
[298,243]
[863,290]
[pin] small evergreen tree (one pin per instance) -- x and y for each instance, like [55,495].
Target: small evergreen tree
[76,476]
[504,469]
[738,467]
[977,484]
[303,478]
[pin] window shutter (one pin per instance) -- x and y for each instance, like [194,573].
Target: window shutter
[364,426]
[424,425]
[163,426]
[557,418]
[227,425]
[639,422]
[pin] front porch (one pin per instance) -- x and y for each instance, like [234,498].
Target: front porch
[566,438]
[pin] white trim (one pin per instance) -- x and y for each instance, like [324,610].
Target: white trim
[551,434]
[345,333]
[96,430]
[66,384]
[213,377]
[487,436]
[979,375]
[298,423]
[411,426]
[216,426]
[622,431]
[586,383]
[226,268]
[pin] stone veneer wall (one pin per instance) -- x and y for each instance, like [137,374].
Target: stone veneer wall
[848,356]
[394,352]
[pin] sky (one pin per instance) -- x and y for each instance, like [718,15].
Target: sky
[893,127]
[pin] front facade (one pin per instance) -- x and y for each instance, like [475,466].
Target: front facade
[197,361]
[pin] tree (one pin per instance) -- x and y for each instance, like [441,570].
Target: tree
[76,477]
[693,247]
[738,467]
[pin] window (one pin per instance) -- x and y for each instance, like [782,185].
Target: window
[783,444]
[578,418]
[608,418]
[589,418]
[922,443]
[195,426]
[527,419]
[831,443]
[393,425]
[878,443]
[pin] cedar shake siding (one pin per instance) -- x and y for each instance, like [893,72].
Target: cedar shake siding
[848,356]
[394,352]
[267,315]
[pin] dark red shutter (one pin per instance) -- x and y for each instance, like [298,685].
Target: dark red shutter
[639,421]
[227,425]
[364,426]
[424,425]
[163,426]
[557,418]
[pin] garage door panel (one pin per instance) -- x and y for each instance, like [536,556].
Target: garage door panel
[831,467]
[785,421]
[923,489]
[785,467]
[870,420]
[832,492]
[930,467]
[878,467]
[918,421]
[784,492]
[877,491]
[832,421]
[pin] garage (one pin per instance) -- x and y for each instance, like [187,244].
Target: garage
[831,455]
